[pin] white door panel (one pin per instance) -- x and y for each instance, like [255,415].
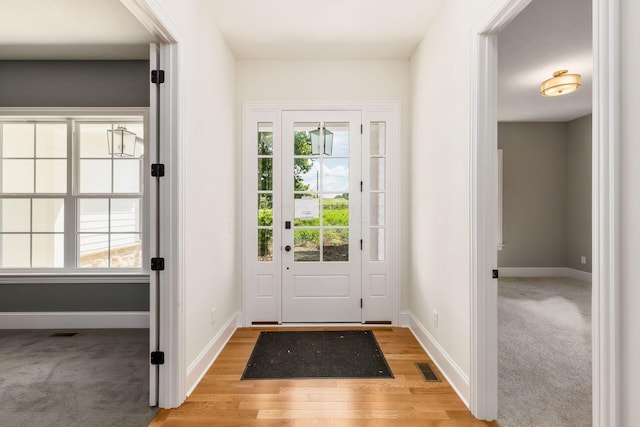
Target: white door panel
[321,234]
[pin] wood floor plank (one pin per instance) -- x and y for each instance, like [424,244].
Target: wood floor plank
[223,399]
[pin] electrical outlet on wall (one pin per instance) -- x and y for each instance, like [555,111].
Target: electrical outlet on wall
[435,318]
[213,316]
[583,259]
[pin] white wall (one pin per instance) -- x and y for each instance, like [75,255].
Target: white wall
[630,223]
[212,181]
[440,247]
[364,80]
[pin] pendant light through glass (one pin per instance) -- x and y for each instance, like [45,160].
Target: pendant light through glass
[560,84]
[121,142]
[321,141]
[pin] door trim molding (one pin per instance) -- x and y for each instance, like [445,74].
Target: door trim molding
[606,210]
[393,108]
[172,210]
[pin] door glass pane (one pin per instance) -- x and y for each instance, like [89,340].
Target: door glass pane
[48,216]
[377,174]
[335,176]
[125,215]
[126,176]
[302,138]
[48,251]
[307,210]
[335,244]
[265,244]
[377,244]
[16,250]
[377,209]
[340,140]
[265,209]
[95,176]
[51,176]
[17,176]
[306,242]
[138,129]
[378,133]
[335,209]
[126,251]
[93,140]
[306,174]
[265,139]
[93,215]
[51,140]
[16,215]
[265,174]
[17,140]
[94,250]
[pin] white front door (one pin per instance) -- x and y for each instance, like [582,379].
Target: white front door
[321,216]
[320,207]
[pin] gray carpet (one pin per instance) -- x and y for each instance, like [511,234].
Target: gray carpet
[95,378]
[544,352]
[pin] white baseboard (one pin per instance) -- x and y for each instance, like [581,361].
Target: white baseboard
[545,272]
[579,275]
[452,372]
[404,319]
[532,271]
[202,363]
[75,320]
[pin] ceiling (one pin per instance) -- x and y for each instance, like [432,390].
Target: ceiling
[323,29]
[70,29]
[548,35]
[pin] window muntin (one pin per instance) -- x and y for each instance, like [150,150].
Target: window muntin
[47,173]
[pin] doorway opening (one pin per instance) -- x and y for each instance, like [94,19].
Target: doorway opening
[605,208]
[319,190]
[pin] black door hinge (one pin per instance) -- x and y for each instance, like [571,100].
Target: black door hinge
[157,76]
[361,129]
[360,302]
[361,184]
[494,274]
[157,169]
[157,264]
[157,357]
[361,243]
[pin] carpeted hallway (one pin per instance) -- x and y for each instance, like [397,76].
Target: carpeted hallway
[94,378]
[544,352]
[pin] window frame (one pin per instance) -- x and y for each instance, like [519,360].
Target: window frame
[72,272]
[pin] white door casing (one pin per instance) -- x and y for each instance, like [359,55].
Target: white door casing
[273,294]
[605,203]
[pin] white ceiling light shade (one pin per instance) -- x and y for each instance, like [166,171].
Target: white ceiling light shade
[560,84]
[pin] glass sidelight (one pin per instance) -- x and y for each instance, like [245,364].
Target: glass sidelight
[265,191]
[321,192]
[377,195]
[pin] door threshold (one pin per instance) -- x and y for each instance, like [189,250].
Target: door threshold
[318,324]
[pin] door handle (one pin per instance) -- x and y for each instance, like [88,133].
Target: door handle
[287,248]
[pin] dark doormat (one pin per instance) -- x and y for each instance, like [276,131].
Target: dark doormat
[316,354]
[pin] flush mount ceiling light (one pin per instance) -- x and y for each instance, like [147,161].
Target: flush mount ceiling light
[560,84]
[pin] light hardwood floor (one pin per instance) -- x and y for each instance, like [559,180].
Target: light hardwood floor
[222,399]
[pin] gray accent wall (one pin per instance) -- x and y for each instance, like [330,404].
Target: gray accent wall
[534,194]
[28,297]
[74,83]
[546,207]
[579,193]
